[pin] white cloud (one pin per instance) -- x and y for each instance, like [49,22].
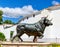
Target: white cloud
[55,3]
[15,12]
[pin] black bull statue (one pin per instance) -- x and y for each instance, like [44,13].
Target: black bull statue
[36,29]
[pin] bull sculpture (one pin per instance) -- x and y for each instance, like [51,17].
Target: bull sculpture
[36,29]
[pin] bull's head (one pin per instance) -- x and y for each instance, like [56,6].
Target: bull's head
[47,22]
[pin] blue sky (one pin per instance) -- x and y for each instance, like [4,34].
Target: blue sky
[25,4]
[37,4]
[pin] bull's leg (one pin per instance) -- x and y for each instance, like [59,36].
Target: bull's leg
[41,33]
[35,39]
[20,37]
[20,32]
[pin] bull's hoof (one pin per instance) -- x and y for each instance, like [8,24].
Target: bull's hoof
[34,41]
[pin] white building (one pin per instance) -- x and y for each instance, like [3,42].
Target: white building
[50,32]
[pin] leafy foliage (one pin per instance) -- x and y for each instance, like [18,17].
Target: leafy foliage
[1,13]
[51,45]
[2,37]
[8,22]
[55,45]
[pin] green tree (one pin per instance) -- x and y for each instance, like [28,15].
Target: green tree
[8,22]
[1,20]
[2,37]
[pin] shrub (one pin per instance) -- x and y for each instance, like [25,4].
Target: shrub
[2,37]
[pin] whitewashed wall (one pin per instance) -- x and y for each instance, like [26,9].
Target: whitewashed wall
[55,29]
